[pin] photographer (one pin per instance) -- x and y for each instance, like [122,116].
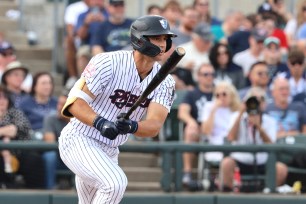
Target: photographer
[250,126]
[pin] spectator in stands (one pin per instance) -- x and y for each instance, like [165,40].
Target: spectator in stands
[154,9]
[290,116]
[172,11]
[52,126]
[276,8]
[216,117]
[13,126]
[296,28]
[296,74]
[113,34]
[272,56]
[189,20]
[263,130]
[89,21]
[7,55]
[259,77]
[239,40]
[269,24]
[202,6]
[197,49]
[71,41]
[13,77]
[40,102]
[221,58]
[254,53]
[190,111]
[232,22]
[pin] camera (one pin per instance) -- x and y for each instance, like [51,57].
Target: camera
[252,106]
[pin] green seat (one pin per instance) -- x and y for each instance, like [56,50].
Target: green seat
[172,129]
[287,157]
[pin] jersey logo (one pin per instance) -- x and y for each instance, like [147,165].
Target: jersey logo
[89,70]
[164,23]
[122,98]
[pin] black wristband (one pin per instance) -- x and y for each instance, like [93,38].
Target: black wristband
[134,127]
[98,122]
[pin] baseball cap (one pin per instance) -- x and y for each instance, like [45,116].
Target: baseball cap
[116,2]
[4,45]
[270,40]
[259,34]
[203,30]
[13,66]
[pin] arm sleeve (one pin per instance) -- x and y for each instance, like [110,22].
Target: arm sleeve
[98,72]
[165,93]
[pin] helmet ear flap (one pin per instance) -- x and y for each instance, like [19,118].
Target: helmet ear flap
[168,44]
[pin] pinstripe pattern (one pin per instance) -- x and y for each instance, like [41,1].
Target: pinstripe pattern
[113,78]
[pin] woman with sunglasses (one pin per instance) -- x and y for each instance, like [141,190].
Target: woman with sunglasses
[216,116]
[221,58]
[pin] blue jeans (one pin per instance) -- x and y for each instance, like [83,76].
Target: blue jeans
[52,163]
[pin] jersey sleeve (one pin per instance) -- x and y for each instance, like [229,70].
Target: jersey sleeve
[165,93]
[98,73]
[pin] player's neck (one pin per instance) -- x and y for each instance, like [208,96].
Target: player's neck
[144,64]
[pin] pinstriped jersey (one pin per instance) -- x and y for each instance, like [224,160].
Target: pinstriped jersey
[113,78]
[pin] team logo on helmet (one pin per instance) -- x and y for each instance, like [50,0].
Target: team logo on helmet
[163,23]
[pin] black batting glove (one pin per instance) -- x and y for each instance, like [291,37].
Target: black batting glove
[125,125]
[107,128]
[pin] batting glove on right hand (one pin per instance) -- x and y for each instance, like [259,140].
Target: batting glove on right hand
[126,125]
[107,128]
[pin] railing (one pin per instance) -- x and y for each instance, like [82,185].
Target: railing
[172,156]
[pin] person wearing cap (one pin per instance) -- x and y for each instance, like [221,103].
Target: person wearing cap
[251,126]
[112,34]
[13,78]
[272,56]
[197,49]
[7,54]
[254,53]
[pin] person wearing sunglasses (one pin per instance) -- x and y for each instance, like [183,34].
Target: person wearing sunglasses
[258,76]
[250,125]
[221,58]
[191,109]
[296,74]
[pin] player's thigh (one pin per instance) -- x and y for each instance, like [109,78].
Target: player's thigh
[93,163]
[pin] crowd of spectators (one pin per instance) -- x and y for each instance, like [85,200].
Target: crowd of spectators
[227,61]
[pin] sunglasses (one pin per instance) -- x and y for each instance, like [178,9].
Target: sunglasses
[218,95]
[263,73]
[223,53]
[296,62]
[207,74]
[203,4]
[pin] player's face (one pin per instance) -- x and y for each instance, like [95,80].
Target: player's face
[161,42]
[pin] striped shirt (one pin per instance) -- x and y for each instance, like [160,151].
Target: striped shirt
[113,78]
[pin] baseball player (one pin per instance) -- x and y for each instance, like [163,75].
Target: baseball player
[109,85]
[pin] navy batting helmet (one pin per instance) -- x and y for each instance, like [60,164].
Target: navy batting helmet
[150,25]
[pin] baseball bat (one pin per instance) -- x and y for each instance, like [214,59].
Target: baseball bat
[165,69]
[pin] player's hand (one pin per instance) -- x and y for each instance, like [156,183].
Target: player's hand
[107,128]
[125,125]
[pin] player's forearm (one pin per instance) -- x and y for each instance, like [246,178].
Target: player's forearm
[83,112]
[148,128]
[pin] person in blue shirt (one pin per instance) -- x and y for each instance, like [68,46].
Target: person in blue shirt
[40,102]
[113,34]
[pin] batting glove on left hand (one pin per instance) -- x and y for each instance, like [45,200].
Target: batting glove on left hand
[125,125]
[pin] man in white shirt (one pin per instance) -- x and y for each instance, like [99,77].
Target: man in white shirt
[255,53]
[251,126]
[197,49]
